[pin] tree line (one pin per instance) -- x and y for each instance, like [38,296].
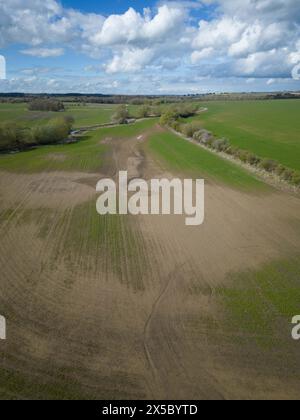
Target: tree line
[46,105]
[173,112]
[16,137]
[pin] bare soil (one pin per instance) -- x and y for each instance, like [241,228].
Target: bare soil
[75,330]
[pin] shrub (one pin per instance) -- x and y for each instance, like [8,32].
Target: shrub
[242,155]
[220,145]
[7,137]
[168,117]
[156,111]
[238,153]
[46,105]
[198,136]
[53,132]
[268,165]
[15,137]
[121,115]
[203,137]
[176,126]
[137,101]
[186,110]
[280,170]
[253,160]
[232,150]
[25,139]
[296,178]
[287,175]
[191,128]
[12,137]
[69,120]
[143,111]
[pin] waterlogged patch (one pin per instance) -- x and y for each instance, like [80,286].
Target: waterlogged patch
[156,197]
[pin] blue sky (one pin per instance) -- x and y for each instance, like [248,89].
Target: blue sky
[108,7]
[165,47]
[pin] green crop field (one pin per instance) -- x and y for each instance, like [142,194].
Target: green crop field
[87,115]
[84,155]
[12,112]
[90,114]
[187,157]
[256,299]
[270,129]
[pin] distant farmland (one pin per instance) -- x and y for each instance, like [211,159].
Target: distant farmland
[270,129]
[84,115]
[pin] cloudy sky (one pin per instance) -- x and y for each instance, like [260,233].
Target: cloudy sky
[161,47]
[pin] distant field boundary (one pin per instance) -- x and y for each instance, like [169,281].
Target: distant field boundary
[108,125]
[270,178]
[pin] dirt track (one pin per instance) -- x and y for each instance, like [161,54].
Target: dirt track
[131,313]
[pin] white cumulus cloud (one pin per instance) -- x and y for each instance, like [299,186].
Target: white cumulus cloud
[249,38]
[132,27]
[130,60]
[44,52]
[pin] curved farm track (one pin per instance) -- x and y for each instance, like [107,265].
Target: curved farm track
[127,307]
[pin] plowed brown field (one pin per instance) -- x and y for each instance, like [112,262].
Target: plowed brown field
[121,307]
